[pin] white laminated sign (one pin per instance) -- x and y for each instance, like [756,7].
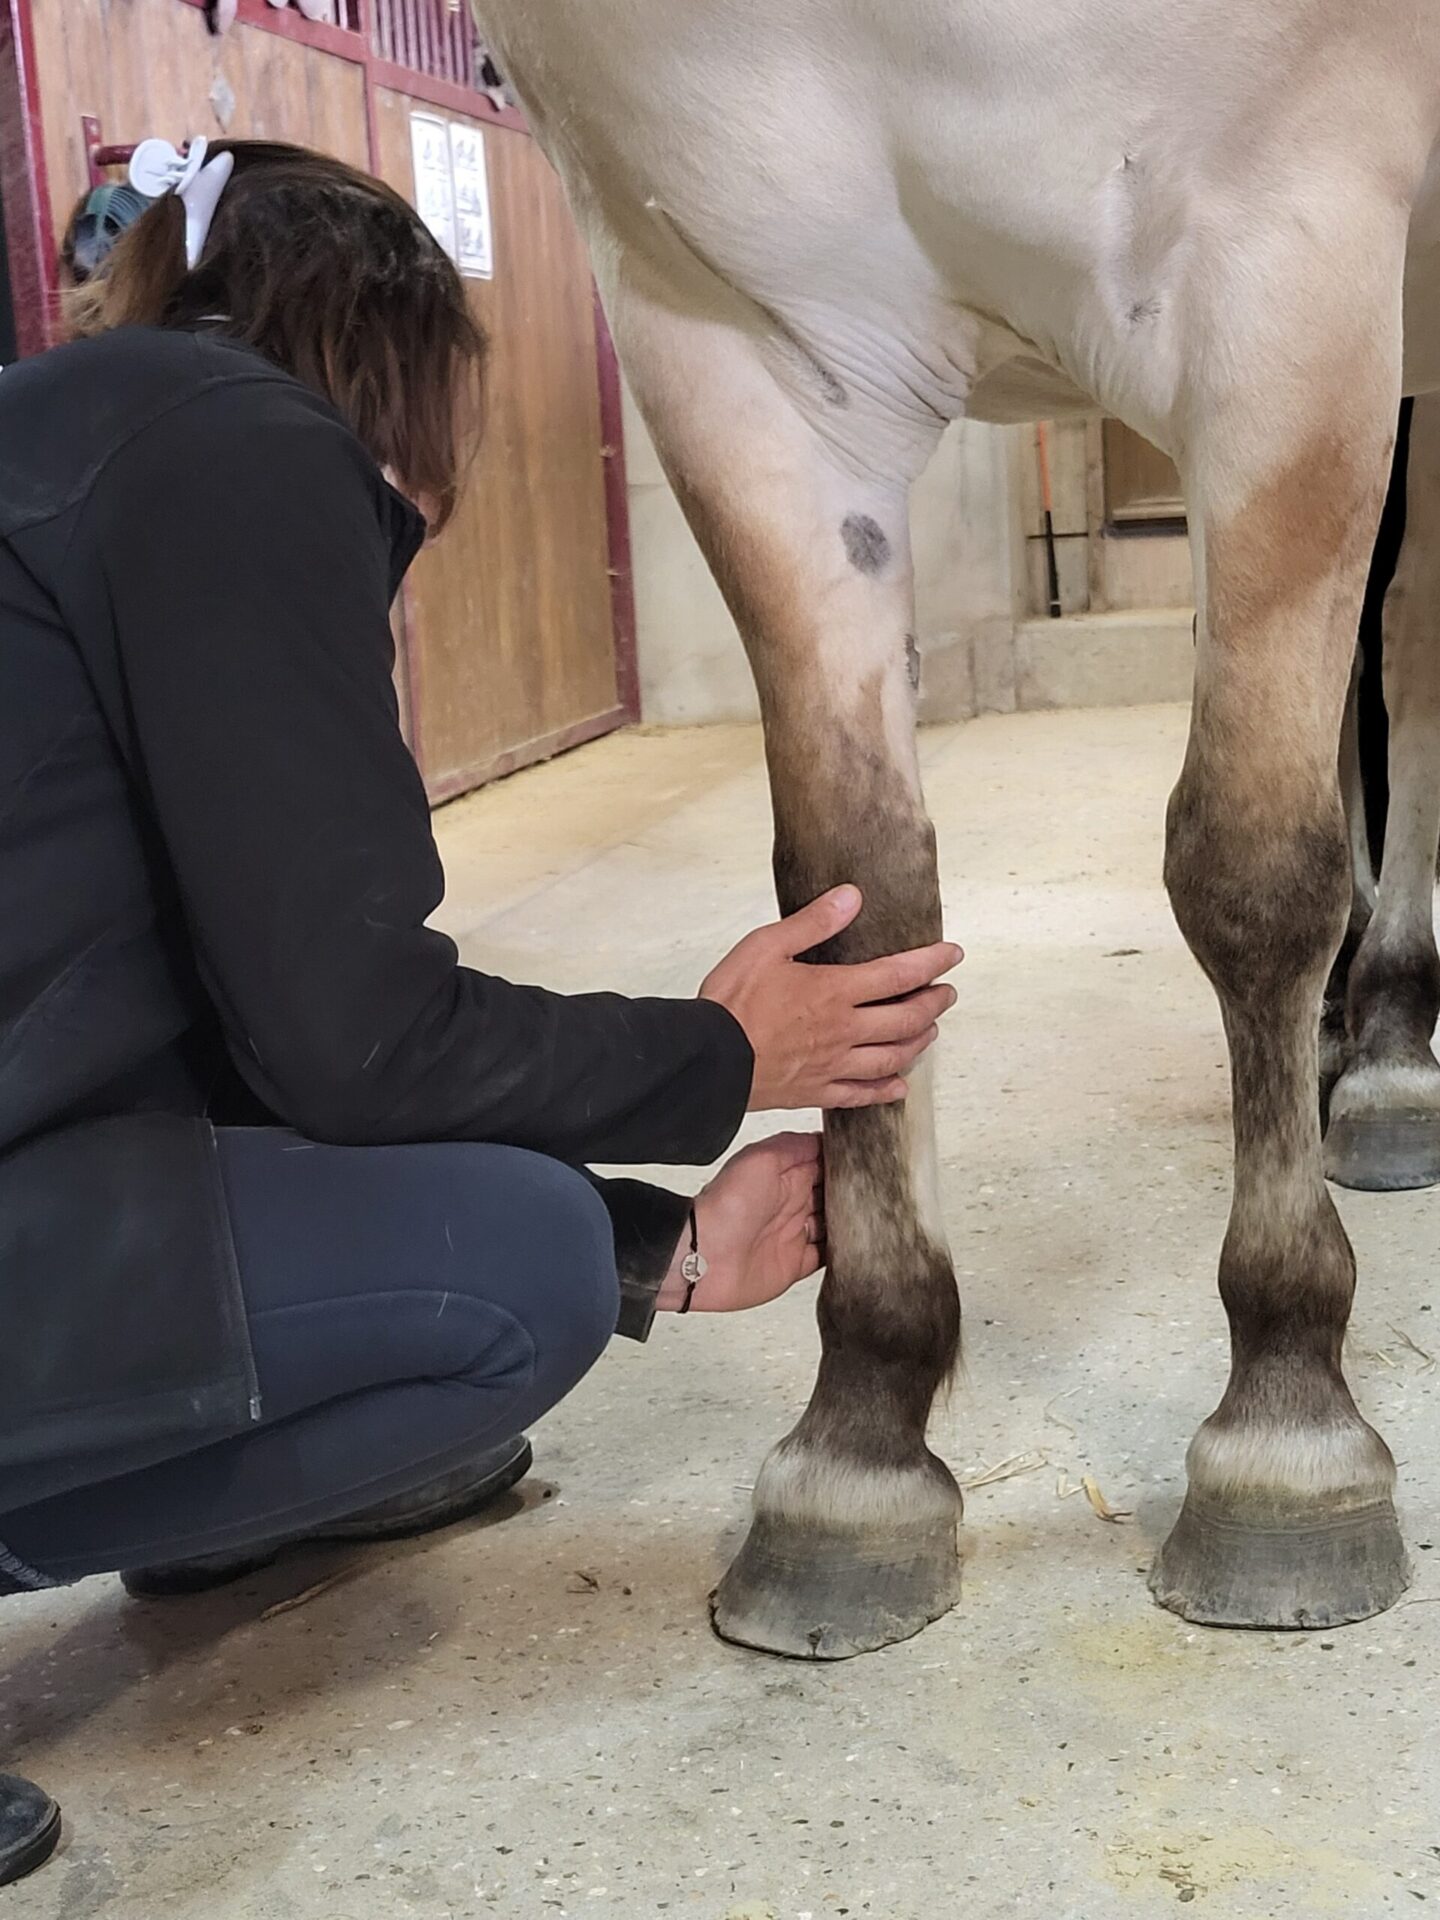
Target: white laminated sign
[452,190]
[434,184]
[475,254]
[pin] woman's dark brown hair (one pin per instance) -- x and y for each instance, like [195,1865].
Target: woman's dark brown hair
[334,277]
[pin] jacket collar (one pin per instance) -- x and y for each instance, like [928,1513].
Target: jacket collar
[406,530]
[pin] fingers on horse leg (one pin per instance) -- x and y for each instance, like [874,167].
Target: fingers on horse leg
[1385,1109]
[854,1543]
[854,1540]
[1289,1519]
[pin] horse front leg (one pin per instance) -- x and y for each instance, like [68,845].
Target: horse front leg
[1289,1520]
[854,1539]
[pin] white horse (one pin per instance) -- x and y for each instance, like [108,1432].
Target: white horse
[822,230]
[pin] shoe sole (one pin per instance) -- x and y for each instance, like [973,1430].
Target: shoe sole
[444,1513]
[34,1853]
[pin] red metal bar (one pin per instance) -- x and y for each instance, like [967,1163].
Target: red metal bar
[466,37]
[344,41]
[382,34]
[106,156]
[24,184]
[90,133]
[445,93]
[448,65]
[617,518]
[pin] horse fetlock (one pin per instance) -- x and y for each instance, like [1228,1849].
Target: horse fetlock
[1303,1463]
[803,1486]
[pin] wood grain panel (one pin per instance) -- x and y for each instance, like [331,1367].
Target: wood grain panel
[337,109]
[148,66]
[508,624]
[74,78]
[1141,483]
[511,614]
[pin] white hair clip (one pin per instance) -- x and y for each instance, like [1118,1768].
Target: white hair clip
[156,167]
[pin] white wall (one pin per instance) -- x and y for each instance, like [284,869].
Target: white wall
[969,583]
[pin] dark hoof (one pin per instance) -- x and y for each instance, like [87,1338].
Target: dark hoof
[816,1596]
[1324,1571]
[1383,1152]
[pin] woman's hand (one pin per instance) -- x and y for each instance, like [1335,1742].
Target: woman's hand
[830,1036]
[761,1227]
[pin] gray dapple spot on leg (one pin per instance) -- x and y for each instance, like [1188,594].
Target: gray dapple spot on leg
[866,547]
[912,662]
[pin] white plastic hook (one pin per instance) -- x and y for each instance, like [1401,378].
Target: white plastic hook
[156,167]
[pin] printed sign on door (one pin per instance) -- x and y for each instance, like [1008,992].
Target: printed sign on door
[434,183]
[452,190]
[475,253]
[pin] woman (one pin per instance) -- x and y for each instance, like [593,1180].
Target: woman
[295,1237]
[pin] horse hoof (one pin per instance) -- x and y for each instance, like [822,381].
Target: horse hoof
[1380,1152]
[813,1595]
[1284,1567]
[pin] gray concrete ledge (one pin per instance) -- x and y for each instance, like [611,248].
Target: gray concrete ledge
[1132,659]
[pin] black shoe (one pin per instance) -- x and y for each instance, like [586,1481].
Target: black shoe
[439,1503]
[29,1828]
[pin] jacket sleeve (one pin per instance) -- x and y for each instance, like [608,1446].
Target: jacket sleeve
[243,545]
[647,1222]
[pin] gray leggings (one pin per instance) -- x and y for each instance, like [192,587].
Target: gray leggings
[408,1307]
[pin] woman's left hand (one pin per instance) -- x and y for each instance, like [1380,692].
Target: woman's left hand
[761,1225]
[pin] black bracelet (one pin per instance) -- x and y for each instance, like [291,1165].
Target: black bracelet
[694,1266]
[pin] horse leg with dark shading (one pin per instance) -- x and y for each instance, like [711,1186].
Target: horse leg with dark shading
[1334,1041]
[1384,1120]
[1289,1519]
[854,1538]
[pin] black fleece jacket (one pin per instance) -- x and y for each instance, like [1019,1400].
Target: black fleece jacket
[217,868]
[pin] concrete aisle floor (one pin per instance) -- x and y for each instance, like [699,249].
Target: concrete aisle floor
[531,1718]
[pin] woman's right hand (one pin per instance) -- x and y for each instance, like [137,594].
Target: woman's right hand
[830,1036]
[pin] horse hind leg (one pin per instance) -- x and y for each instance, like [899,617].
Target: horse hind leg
[1334,1040]
[1384,1120]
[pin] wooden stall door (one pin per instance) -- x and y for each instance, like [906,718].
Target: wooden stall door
[149,66]
[1142,486]
[509,625]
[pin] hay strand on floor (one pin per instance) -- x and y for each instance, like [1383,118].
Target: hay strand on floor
[1099,1505]
[1030,1461]
[311,1593]
[1414,1346]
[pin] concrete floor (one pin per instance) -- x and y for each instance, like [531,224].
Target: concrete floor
[531,1718]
